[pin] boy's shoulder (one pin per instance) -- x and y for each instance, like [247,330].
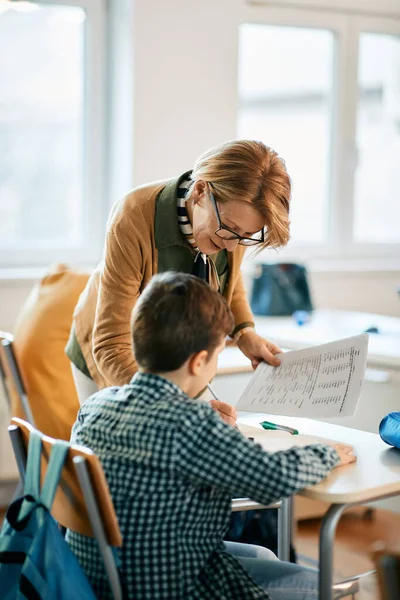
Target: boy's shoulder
[168,403]
[106,396]
[98,404]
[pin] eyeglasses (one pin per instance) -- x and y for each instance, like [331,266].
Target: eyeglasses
[227,234]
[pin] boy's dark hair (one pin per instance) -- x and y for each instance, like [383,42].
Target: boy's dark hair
[176,316]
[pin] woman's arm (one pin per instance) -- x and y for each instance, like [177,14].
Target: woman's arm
[119,288]
[240,307]
[255,347]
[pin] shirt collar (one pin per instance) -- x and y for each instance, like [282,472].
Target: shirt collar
[150,380]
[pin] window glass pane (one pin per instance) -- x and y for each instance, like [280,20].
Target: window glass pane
[41,121]
[285,96]
[377,181]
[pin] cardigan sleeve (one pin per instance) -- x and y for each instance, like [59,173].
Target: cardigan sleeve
[119,288]
[240,306]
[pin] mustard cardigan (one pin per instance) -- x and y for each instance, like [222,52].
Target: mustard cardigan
[137,233]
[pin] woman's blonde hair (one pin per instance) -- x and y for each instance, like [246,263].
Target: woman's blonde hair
[250,171]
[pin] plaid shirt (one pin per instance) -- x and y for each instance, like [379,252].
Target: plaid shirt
[173,466]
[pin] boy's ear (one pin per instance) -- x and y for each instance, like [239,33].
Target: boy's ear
[197,362]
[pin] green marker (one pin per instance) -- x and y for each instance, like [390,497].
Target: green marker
[274,427]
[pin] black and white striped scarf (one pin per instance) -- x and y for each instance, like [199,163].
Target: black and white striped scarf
[200,265]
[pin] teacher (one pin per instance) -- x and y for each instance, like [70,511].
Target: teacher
[236,196]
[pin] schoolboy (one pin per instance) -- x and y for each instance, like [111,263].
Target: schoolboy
[173,465]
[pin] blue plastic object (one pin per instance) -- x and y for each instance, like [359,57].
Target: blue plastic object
[372,329]
[302,317]
[389,429]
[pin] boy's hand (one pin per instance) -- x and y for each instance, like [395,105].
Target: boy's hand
[226,411]
[345,452]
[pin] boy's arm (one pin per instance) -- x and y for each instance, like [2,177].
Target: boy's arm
[209,452]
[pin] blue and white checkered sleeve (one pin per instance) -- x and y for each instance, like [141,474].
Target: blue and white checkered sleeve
[208,451]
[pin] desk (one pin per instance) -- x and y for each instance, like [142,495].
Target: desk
[375,475]
[329,325]
[380,392]
[325,326]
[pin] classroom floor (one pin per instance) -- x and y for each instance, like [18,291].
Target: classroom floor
[355,537]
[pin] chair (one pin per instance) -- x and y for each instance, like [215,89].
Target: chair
[387,564]
[83,502]
[76,505]
[11,376]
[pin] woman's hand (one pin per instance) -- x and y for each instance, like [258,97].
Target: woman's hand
[226,411]
[258,349]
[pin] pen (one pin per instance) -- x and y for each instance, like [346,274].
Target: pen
[212,392]
[275,427]
[210,389]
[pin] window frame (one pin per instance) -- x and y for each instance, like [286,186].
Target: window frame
[94,182]
[339,245]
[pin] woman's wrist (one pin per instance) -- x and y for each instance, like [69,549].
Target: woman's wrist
[242,332]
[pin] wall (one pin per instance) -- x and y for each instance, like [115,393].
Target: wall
[184,80]
[370,291]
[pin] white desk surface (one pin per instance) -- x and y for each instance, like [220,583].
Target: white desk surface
[328,325]
[324,326]
[375,474]
[232,360]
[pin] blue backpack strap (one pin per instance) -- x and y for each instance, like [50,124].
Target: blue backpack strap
[19,512]
[32,477]
[58,455]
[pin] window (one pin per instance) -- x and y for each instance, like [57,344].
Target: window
[290,108]
[50,131]
[377,183]
[324,91]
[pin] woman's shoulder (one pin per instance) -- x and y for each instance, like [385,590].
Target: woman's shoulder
[139,201]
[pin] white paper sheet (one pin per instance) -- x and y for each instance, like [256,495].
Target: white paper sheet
[322,381]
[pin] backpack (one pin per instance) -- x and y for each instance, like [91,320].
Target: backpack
[35,560]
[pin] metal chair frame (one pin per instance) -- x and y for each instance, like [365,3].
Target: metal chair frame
[13,368]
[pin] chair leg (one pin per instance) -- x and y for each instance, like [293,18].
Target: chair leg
[97,526]
[284,529]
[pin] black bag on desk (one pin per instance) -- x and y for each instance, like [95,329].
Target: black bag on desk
[280,289]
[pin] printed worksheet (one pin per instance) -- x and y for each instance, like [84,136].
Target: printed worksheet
[317,382]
